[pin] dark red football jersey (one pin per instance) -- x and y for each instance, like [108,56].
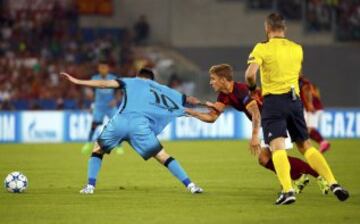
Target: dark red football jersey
[239,98]
[303,82]
[316,98]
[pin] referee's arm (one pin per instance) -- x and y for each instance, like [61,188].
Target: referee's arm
[250,75]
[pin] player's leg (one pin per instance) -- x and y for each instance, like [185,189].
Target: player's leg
[298,166]
[87,147]
[177,170]
[315,135]
[281,163]
[265,160]
[312,121]
[94,125]
[94,165]
[275,132]
[147,145]
[118,149]
[98,117]
[298,132]
[282,168]
[319,163]
[109,138]
[299,171]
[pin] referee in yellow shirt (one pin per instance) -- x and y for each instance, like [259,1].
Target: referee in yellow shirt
[280,60]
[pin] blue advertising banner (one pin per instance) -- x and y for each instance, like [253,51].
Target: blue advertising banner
[74,126]
[42,126]
[77,125]
[9,127]
[340,123]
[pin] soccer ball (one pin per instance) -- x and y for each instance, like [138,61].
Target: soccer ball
[16,182]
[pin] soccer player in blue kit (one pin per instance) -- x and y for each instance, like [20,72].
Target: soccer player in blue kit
[147,107]
[104,103]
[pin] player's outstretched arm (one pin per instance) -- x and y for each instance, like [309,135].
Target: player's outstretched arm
[192,100]
[253,109]
[111,84]
[209,117]
[215,109]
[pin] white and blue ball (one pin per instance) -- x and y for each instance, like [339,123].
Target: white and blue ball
[16,182]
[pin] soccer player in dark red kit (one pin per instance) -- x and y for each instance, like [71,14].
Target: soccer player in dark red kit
[310,96]
[237,95]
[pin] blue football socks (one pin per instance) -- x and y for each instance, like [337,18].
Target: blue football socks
[93,168]
[176,169]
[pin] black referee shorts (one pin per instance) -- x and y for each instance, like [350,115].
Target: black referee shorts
[281,113]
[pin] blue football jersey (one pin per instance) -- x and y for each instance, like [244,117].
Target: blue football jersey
[159,103]
[103,97]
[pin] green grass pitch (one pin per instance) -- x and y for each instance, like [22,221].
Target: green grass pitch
[133,191]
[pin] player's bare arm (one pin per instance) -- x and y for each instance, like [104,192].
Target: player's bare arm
[250,74]
[215,110]
[192,100]
[92,83]
[253,109]
[306,89]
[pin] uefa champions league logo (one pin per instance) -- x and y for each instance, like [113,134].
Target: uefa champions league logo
[36,133]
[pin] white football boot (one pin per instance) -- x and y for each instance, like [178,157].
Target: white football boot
[194,189]
[88,189]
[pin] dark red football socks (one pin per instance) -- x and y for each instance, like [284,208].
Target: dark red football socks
[298,167]
[316,136]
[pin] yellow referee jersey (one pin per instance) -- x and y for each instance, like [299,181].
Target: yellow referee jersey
[280,63]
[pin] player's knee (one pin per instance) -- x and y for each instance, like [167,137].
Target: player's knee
[168,161]
[262,160]
[303,145]
[97,149]
[277,143]
[162,157]
[99,155]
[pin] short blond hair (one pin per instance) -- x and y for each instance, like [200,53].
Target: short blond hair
[222,70]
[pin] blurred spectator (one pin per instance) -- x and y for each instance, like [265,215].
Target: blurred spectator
[318,15]
[261,4]
[177,83]
[291,9]
[142,31]
[6,106]
[348,20]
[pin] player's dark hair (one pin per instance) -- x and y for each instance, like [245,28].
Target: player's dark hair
[222,70]
[146,73]
[276,21]
[103,62]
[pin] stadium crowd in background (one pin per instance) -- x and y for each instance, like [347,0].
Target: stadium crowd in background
[348,20]
[340,16]
[319,15]
[35,47]
[141,30]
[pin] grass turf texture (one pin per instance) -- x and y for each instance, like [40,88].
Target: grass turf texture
[133,191]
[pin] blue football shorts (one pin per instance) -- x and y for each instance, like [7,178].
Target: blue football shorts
[133,128]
